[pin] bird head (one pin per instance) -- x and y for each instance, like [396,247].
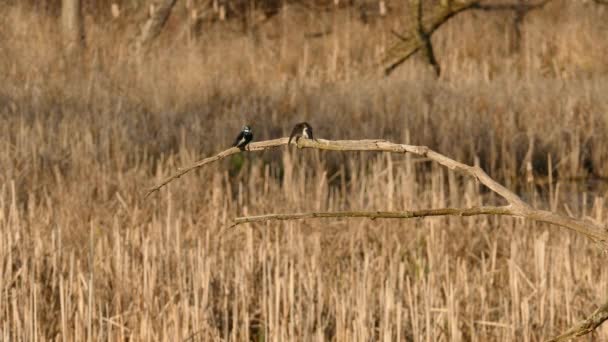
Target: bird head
[246,128]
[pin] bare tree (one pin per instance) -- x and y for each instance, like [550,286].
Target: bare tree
[72,27]
[418,35]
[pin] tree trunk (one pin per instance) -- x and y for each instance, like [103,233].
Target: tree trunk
[71,22]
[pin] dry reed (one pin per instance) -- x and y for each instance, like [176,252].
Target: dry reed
[83,254]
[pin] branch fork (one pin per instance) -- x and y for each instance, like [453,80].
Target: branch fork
[516,207]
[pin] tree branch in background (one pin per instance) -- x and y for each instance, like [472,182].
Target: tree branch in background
[419,36]
[160,11]
[412,41]
[425,37]
[520,6]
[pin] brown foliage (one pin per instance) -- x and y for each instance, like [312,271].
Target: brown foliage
[77,146]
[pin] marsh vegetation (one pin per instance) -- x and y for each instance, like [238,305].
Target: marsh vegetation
[84,255]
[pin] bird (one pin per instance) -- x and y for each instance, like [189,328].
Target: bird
[244,137]
[301,130]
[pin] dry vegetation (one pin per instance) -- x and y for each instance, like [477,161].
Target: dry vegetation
[83,255]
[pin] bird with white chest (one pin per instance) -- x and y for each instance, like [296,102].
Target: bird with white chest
[244,138]
[300,130]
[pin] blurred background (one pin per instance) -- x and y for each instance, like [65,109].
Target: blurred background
[96,106]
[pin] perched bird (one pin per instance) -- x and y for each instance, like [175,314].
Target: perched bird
[244,137]
[301,130]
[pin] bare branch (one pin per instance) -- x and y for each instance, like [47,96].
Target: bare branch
[504,210]
[517,206]
[511,7]
[586,326]
[585,228]
[419,36]
[356,145]
[253,147]
[403,50]
[425,37]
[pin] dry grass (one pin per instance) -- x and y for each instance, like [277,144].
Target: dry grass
[83,255]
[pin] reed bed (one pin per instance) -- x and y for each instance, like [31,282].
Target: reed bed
[85,256]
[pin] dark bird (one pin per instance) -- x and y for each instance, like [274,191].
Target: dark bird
[301,130]
[244,137]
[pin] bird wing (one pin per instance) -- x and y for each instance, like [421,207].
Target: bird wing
[294,132]
[239,139]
